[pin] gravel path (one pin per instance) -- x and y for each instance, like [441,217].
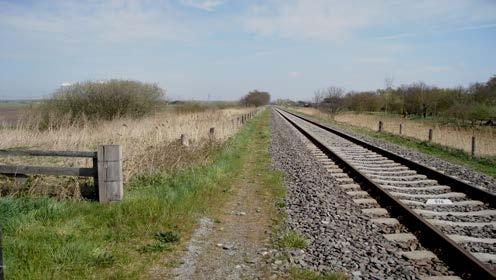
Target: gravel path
[233,243]
[342,238]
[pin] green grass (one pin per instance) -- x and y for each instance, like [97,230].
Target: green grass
[49,239]
[305,274]
[16,104]
[293,239]
[485,165]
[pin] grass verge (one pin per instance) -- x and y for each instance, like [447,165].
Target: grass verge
[305,274]
[483,165]
[49,239]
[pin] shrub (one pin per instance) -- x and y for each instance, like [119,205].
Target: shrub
[256,98]
[102,101]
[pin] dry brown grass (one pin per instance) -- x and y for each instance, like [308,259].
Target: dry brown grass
[446,135]
[149,143]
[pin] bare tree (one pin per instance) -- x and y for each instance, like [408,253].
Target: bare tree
[318,96]
[334,99]
[388,84]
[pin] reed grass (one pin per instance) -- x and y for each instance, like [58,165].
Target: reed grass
[149,143]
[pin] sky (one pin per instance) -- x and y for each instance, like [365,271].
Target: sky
[221,49]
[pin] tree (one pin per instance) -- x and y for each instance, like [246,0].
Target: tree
[256,98]
[388,83]
[333,99]
[318,96]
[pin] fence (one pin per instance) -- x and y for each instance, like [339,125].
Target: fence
[430,135]
[106,170]
[107,164]
[241,120]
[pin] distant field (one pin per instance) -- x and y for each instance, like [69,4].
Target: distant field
[10,113]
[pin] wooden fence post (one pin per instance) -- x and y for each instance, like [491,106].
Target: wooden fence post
[110,181]
[211,134]
[401,128]
[472,149]
[430,134]
[184,140]
[380,126]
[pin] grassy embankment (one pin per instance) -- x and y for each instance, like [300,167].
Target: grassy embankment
[45,238]
[485,165]
[148,143]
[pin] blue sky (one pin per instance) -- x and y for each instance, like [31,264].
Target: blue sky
[224,48]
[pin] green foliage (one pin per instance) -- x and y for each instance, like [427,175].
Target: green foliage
[168,236]
[256,98]
[154,247]
[293,239]
[475,103]
[101,101]
[305,274]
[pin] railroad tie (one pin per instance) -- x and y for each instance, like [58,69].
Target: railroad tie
[378,212]
[419,255]
[358,193]
[365,201]
[350,187]
[386,221]
[400,237]
[440,278]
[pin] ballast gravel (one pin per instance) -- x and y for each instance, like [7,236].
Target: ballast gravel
[459,171]
[341,237]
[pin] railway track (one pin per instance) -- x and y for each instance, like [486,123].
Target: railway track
[453,219]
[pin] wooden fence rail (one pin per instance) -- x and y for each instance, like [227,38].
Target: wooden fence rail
[106,170]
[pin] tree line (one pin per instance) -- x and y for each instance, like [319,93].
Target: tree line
[475,103]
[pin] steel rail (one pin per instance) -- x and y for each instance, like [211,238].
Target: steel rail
[472,191]
[457,258]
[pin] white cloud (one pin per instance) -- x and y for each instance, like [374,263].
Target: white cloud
[397,36]
[207,5]
[336,20]
[318,19]
[294,74]
[476,27]
[98,21]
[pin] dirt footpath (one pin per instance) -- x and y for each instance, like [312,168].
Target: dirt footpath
[233,243]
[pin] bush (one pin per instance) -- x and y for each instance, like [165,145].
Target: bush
[102,100]
[256,98]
